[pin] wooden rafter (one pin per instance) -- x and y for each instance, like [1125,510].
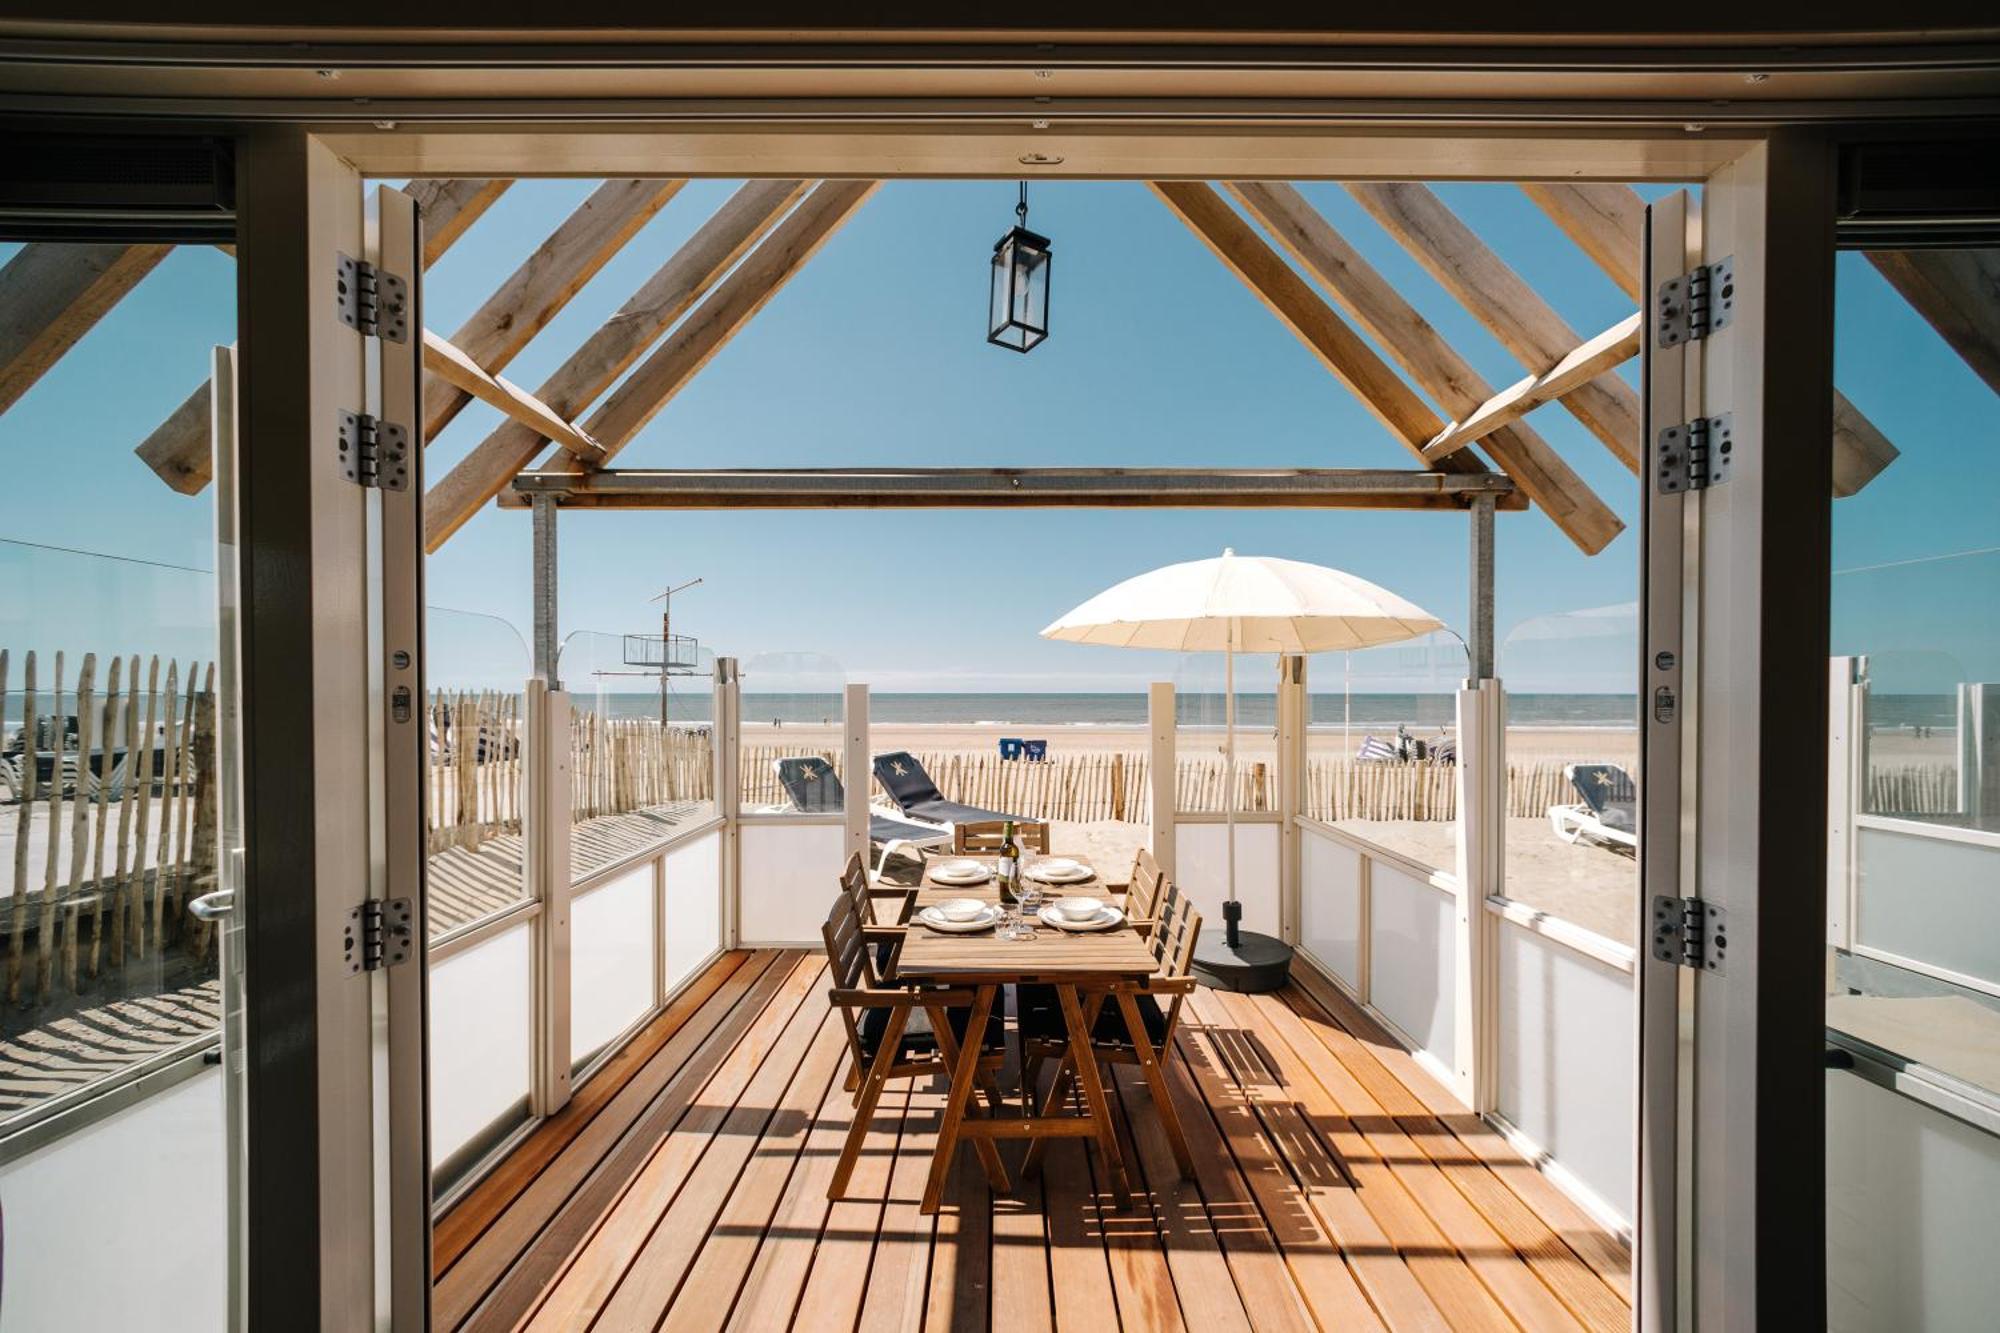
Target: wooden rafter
[547,279]
[450,364]
[51,295]
[1501,300]
[1615,345]
[697,266]
[1958,292]
[1400,330]
[178,448]
[1608,223]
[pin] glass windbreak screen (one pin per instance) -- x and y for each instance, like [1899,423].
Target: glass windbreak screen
[1572,766]
[793,710]
[1202,733]
[1382,745]
[642,744]
[476,666]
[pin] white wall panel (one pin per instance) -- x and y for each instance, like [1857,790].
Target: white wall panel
[124,1224]
[480,1005]
[790,874]
[1202,870]
[612,934]
[1931,898]
[1411,968]
[1330,904]
[694,905]
[1566,1059]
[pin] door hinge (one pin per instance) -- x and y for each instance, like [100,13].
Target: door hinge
[1690,932]
[1697,303]
[373,452]
[373,300]
[1695,455]
[379,934]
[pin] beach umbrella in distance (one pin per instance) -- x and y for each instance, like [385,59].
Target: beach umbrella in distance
[1243,604]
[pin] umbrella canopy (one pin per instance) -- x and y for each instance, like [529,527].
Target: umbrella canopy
[1245,604]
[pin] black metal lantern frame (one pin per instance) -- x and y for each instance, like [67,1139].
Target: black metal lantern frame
[1018,311]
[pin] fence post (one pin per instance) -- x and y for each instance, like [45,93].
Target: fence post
[1481,794]
[545,839]
[1160,717]
[1293,703]
[854,757]
[728,788]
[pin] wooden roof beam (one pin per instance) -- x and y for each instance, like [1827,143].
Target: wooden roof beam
[449,363]
[178,448]
[51,294]
[1617,344]
[1958,291]
[716,247]
[1499,298]
[1373,302]
[536,292]
[1608,223]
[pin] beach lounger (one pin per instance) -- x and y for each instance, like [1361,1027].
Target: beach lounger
[918,797]
[1609,811]
[815,789]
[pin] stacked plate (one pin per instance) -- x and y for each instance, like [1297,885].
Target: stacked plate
[1059,870]
[1080,914]
[961,873]
[959,916]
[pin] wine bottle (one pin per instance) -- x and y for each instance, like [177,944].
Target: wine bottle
[1010,865]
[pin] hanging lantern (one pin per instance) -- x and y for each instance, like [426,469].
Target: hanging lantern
[1018,313]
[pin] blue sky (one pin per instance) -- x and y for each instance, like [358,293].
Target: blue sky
[874,355]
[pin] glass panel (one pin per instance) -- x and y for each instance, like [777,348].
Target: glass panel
[793,706]
[1572,760]
[694,906]
[475,665]
[1201,732]
[110,787]
[1382,748]
[481,1005]
[612,940]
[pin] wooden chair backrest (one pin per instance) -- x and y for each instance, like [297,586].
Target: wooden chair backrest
[854,883]
[983,837]
[1173,938]
[846,946]
[1143,891]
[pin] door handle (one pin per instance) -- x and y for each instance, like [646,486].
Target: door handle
[214,906]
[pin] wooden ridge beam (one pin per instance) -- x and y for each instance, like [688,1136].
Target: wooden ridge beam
[1608,223]
[716,246]
[1499,298]
[51,294]
[1373,302]
[977,488]
[178,448]
[1287,295]
[522,306]
[1615,345]
[1958,292]
[450,363]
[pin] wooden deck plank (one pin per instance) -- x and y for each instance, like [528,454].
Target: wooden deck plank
[1080,1280]
[1021,1299]
[902,1263]
[961,1288]
[834,1288]
[1134,1241]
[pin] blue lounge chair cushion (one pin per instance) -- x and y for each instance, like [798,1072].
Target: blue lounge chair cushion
[911,788]
[1609,792]
[815,789]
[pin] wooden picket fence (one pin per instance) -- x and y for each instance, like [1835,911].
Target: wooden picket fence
[617,766]
[476,764]
[1912,789]
[124,823]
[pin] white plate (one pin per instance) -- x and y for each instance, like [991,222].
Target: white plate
[978,874]
[1104,920]
[1074,875]
[984,921]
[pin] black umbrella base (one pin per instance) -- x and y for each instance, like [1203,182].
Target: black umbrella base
[1254,965]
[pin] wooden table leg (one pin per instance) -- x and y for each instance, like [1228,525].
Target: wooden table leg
[871,1092]
[1156,1080]
[1093,1092]
[964,1073]
[989,1153]
[1059,1087]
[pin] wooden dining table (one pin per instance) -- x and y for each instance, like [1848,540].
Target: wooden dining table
[1087,970]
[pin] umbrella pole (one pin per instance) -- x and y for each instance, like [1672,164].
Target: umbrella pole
[1232,912]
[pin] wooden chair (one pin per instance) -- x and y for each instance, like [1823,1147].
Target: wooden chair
[984,837]
[1043,1034]
[1143,891]
[893,1030]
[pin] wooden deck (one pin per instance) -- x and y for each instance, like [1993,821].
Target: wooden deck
[1338,1187]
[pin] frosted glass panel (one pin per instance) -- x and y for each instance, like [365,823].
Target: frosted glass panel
[1202,870]
[1411,972]
[611,960]
[479,1039]
[791,873]
[694,906]
[1330,904]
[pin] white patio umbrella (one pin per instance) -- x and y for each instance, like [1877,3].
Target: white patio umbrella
[1243,604]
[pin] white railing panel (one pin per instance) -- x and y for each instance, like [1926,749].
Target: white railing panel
[481,1003]
[612,933]
[1566,1060]
[1330,904]
[1413,960]
[788,878]
[1201,868]
[116,1225]
[694,906]
[1932,896]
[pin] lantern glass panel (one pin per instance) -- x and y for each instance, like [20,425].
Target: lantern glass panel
[1018,306]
